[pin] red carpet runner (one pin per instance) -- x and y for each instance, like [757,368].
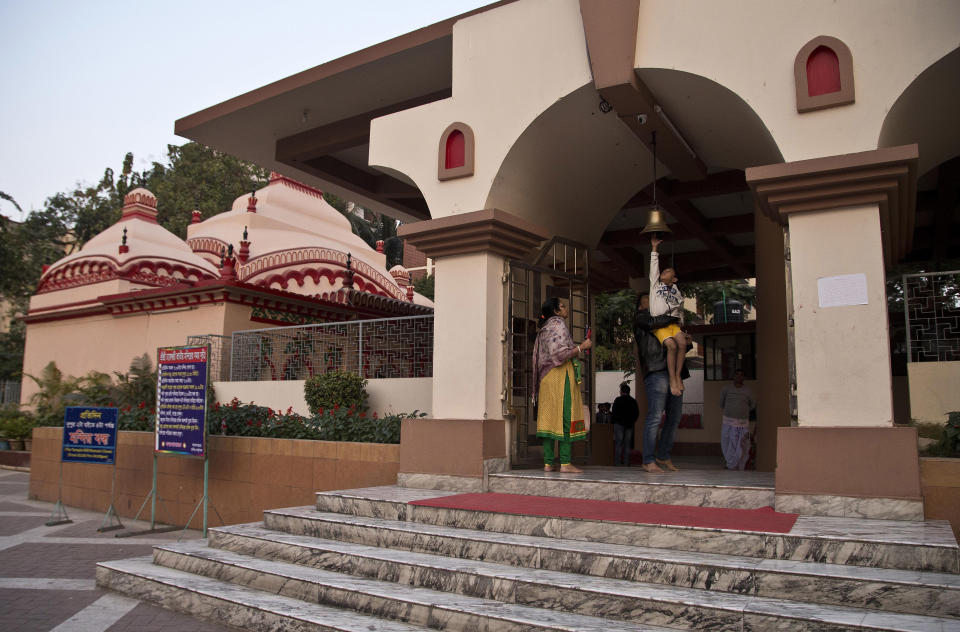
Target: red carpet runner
[764,519]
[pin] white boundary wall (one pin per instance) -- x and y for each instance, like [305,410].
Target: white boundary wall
[386,396]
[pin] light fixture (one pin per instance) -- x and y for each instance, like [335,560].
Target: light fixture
[656,218]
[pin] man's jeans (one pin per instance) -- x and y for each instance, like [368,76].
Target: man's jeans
[657,385]
[622,444]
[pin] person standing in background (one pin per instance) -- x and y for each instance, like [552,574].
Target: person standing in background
[625,413]
[736,401]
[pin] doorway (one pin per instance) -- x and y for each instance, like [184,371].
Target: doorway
[561,270]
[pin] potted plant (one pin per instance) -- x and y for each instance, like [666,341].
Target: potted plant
[18,429]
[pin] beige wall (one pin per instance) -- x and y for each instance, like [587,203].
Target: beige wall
[509,65]
[842,353]
[386,396]
[467,345]
[934,390]
[106,343]
[749,46]
[247,475]
[712,415]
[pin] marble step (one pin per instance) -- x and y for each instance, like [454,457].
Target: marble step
[910,592]
[232,604]
[410,604]
[920,546]
[741,490]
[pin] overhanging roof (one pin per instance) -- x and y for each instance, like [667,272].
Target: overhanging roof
[293,126]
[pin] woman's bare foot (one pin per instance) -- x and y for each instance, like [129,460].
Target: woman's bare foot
[675,389]
[570,469]
[549,468]
[652,468]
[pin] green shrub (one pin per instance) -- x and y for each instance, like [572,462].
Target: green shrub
[133,392]
[19,427]
[139,417]
[54,390]
[237,419]
[339,423]
[943,439]
[336,388]
[349,424]
[950,439]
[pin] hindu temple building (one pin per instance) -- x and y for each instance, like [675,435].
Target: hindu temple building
[811,145]
[793,142]
[282,256]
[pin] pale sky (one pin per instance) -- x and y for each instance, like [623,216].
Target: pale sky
[82,83]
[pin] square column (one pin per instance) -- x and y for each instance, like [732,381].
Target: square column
[847,217]
[467,438]
[842,351]
[467,336]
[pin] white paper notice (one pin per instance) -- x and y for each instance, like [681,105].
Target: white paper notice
[845,289]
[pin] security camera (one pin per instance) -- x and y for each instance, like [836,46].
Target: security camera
[642,119]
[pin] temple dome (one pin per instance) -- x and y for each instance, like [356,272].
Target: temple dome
[134,253]
[295,241]
[400,275]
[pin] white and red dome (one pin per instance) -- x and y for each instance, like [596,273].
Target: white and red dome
[295,241]
[134,253]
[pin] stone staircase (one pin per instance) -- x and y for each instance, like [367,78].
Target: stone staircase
[365,559]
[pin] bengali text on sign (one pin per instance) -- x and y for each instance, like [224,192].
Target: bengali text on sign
[182,400]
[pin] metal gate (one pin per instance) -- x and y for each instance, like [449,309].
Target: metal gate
[561,270]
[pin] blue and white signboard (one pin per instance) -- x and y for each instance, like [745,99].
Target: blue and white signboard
[89,435]
[182,401]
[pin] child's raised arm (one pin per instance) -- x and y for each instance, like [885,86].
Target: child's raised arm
[654,261]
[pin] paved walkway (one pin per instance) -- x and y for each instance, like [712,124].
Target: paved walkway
[47,574]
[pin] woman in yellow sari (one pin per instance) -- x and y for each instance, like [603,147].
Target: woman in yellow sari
[559,404]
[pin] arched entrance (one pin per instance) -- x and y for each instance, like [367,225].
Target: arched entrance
[583,174]
[561,269]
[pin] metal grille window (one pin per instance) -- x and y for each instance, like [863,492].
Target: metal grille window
[379,348]
[219,354]
[932,313]
[724,354]
[9,392]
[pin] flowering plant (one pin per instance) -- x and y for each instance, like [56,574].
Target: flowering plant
[339,423]
[139,417]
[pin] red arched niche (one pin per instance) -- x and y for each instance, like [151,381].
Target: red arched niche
[823,71]
[456,149]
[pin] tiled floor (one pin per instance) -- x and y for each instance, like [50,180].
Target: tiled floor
[47,574]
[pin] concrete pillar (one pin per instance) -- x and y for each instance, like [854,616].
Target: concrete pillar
[467,336]
[846,216]
[467,437]
[773,380]
[842,351]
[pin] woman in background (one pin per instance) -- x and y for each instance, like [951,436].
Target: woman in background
[559,404]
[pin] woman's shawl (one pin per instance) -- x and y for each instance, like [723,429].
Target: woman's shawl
[552,348]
